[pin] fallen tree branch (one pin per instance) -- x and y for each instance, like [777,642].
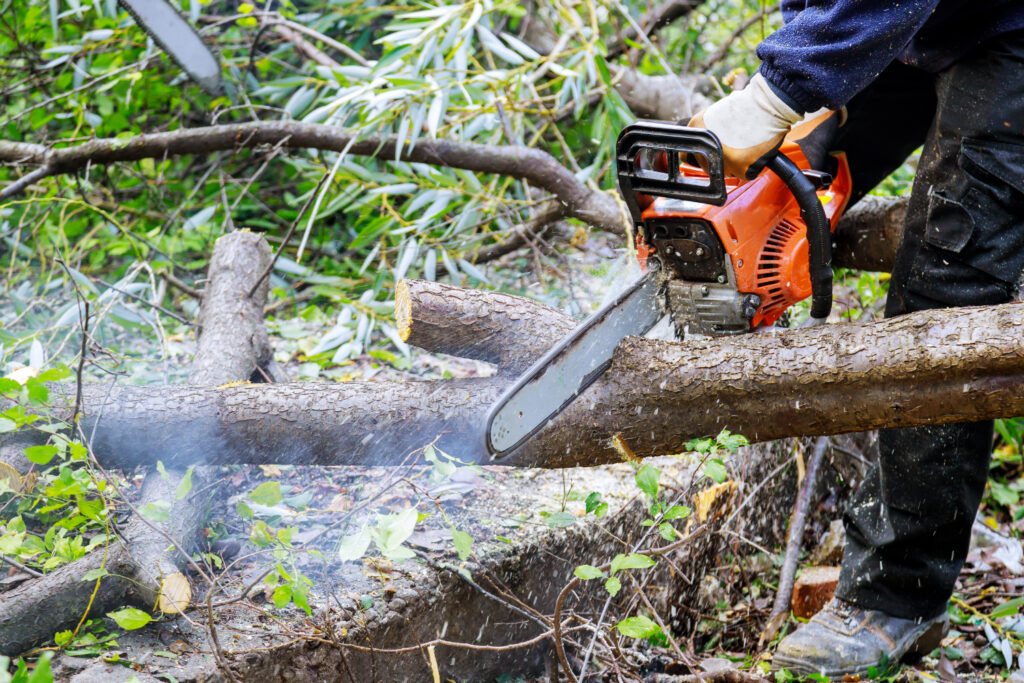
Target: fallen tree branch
[472,323]
[666,98]
[533,165]
[869,234]
[924,368]
[797,524]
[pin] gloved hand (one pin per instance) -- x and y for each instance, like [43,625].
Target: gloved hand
[750,123]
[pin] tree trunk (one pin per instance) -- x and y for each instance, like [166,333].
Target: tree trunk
[144,568]
[869,234]
[929,367]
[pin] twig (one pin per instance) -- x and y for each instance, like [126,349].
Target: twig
[796,531]
[316,35]
[24,181]
[140,299]
[719,54]
[183,286]
[288,235]
[20,567]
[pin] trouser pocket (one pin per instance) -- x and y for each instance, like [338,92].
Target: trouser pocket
[972,248]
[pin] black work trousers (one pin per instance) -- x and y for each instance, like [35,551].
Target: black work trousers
[909,525]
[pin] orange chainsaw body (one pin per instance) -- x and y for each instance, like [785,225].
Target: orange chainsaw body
[760,229]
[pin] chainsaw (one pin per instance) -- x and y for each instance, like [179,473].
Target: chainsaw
[175,36]
[719,255]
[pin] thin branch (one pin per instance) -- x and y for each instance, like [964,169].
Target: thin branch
[723,50]
[293,26]
[20,567]
[534,165]
[288,235]
[780,608]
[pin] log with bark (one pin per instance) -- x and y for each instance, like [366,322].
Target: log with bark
[144,566]
[929,367]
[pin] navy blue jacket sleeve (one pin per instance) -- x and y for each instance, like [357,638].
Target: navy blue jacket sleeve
[831,49]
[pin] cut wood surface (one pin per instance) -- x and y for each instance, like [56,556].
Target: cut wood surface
[929,367]
[143,567]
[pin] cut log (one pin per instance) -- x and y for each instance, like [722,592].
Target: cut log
[869,234]
[924,368]
[813,589]
[506,330]
[143,567]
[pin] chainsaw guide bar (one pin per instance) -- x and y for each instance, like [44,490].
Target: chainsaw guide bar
[177,37]
[573,364]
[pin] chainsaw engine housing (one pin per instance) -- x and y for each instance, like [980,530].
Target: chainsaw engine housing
[738,266]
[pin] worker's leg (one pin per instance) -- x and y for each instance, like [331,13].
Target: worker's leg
[885,123]
[909,526]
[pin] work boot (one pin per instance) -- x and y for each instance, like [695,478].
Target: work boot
[845,640]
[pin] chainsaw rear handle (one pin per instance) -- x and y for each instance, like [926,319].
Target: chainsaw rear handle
[677,143]
[819,233]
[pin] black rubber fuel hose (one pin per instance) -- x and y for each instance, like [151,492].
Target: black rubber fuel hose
[819,233]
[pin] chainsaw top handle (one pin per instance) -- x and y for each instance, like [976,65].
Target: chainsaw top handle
[638,140]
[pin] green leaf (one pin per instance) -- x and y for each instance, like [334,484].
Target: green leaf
[463,543]
[42,672]
[1003,494]
[243,510]
[587,572]
[282,595]
[631,561]
[93,574]
[354,547]
[700,445]
[393,530]
[78,451]
[41,455]
[157,511]
[667,531]
[299,597]
[268,493]
[593,501]
[185,485]
[1007,608]
[715,469]
[638,627]
[558,520]
[130,618]
[613,585]
[731,442]
[161,470]
[647,479]
[678,512]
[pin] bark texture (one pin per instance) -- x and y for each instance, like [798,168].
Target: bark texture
[666,98]
[143,567]
[929,367]
[869,234]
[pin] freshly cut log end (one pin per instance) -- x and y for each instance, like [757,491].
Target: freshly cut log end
[814,588]
[508,331]
[175,594]
[403,310]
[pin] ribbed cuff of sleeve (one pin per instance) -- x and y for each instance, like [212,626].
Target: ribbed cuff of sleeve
[794,96]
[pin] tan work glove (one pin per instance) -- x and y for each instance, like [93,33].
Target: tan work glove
[750,124]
